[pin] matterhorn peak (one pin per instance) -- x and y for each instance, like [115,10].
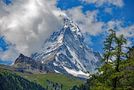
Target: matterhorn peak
[65,52]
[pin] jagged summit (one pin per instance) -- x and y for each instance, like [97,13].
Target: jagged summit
[23,58]
[65,52]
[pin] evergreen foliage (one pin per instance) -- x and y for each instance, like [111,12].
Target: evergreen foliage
[117,71]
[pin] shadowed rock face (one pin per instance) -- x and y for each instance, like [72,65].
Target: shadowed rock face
[28,64]
[24,59]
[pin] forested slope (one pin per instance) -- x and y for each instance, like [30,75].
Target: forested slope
[11,81]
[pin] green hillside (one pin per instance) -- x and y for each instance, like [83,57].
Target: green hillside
[44,79]
[11,81]
[48,81]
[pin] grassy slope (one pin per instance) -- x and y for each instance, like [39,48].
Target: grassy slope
[57,78]
[67,82]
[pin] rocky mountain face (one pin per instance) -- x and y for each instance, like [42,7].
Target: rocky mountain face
[27,64]
[65,52]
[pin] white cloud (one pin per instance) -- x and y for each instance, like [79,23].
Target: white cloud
[118,3]
[10,54]
[26,24]
[87,22]
[114,24]
[128,31]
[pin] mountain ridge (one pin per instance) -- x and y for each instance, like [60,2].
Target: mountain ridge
[65,52]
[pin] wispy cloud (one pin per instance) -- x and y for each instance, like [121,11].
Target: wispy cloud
[127,31]
[87,22]
[118,3]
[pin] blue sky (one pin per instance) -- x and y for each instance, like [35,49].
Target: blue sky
[125,14]
[7,1]
[106,12]
[3,44]
[3,48]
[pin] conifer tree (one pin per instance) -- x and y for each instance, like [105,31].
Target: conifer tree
[118,73]
[108,45]
[119,54]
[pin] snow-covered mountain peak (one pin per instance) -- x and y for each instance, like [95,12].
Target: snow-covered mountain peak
[68,23]
[65,52]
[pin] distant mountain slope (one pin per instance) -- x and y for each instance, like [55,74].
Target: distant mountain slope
[10,81]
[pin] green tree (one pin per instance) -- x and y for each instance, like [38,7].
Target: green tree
[109,74]
[131,53]
[108,48]
[117,71]
[119,54]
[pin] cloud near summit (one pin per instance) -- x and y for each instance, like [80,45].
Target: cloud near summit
[26,24]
